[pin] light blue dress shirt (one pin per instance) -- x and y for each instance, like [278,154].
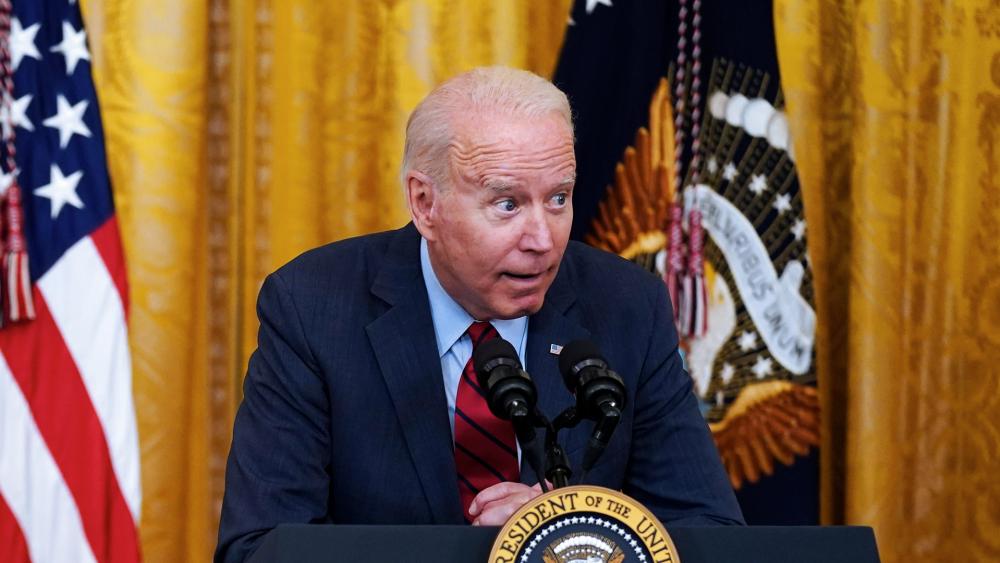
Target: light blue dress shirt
[454,345]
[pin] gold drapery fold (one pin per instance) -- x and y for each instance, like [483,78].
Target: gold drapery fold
[240,134]
[895,114]
[153,92]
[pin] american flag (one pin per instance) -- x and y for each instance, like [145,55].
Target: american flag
[69,452]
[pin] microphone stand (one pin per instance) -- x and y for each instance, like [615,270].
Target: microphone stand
[557,467]
[556,461]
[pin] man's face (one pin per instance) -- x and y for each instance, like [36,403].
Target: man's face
[498,230]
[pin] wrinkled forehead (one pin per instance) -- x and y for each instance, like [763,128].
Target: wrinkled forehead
[502,154]
[491,141]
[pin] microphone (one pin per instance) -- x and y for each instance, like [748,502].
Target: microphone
[600,394]
[510,392]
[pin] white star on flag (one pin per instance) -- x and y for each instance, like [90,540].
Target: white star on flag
[799,229]
[73,46]
[14,114]
[22,42]
[782,203]
[6,179]
[728,371]
[592,5]
[729,172]
[713,165]
[748,340]
[763,367]
[61,190]
[68,120]
[758,184]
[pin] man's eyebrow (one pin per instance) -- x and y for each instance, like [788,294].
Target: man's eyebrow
[503,186]
[499,186]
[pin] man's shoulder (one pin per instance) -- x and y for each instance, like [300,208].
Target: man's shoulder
[593,270]
[347,262]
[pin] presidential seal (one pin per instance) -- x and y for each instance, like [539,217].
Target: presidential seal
[583,524]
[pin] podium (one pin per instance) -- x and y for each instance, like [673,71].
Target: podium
[466,544]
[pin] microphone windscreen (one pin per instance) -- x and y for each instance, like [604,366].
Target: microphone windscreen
[576,352]
[491,350]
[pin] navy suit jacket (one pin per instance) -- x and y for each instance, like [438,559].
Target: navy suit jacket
[344,417]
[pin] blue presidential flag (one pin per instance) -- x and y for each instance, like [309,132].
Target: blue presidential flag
[686,166]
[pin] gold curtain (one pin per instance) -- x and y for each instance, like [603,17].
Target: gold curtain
[895,112]
[240,134]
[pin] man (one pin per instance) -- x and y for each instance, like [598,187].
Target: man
[358,403]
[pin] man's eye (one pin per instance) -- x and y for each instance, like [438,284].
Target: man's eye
[560,199]
[507,205]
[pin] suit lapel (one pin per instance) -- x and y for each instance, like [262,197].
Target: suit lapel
[406,350]
[551,326]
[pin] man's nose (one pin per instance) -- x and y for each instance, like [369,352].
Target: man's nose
[537,234]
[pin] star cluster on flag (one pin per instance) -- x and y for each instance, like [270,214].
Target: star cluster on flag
[52,114]
[67,120]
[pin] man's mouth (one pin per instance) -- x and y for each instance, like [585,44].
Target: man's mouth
[523,275]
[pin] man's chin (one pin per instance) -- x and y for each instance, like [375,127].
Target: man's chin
[519,307]
[512,307]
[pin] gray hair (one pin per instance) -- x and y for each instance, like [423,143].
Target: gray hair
[494,90]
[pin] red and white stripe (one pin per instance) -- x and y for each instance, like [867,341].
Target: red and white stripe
[70,463]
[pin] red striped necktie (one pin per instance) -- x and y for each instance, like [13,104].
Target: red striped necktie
[485,446]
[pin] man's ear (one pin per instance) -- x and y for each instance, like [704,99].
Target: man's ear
[420,196]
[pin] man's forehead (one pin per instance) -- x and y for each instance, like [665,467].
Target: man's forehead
[491,139]
[484,125]
[496,168]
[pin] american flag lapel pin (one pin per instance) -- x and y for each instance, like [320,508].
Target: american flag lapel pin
[554,349]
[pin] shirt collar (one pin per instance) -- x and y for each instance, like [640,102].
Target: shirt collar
[450,319]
